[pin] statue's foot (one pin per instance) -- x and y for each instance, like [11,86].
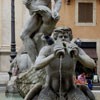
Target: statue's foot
[77,94]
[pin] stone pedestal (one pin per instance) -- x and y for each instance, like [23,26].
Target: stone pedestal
[4,78]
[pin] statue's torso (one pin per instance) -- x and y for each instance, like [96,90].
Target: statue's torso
[67,64]
[66,73]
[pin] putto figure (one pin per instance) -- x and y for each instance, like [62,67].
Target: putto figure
[42,20]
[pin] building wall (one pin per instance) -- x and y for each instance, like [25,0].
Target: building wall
[67,18]
[5,30]
[85,33]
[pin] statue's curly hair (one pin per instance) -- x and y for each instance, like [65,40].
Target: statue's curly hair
[63,30]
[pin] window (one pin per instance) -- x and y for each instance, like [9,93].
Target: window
[85,12]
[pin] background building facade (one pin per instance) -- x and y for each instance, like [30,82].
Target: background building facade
[81,15]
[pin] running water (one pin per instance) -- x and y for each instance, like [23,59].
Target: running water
[60,76]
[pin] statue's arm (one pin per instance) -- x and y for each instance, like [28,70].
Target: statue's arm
[43,60]
[80,55]
[13,62]
[57,5]
[84,59]
[56,9]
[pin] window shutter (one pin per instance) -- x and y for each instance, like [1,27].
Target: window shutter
[85,12]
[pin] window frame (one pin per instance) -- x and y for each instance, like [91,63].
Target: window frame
[76,13]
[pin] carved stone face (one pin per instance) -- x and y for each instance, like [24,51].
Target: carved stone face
[66,31]
[63,37]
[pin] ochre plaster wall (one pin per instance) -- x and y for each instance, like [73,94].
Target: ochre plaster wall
[67,18]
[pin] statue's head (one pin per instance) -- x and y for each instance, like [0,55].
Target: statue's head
[66,31]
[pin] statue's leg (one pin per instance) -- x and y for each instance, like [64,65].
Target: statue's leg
[48,21]
[32,25]
[47,94]
[87,92]
[33,92]
[48,26]
[76,94]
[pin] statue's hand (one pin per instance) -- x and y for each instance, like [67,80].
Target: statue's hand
[73,49]
[40,9]
[55,15]
[74,52]
[59,51]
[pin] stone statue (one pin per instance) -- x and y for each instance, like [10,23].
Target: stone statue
[59,60]
[42,20]
[20,64]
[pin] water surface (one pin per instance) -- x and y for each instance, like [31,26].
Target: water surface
[10,96]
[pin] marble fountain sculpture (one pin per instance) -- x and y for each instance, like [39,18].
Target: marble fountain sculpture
[52,73]
[51,77]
